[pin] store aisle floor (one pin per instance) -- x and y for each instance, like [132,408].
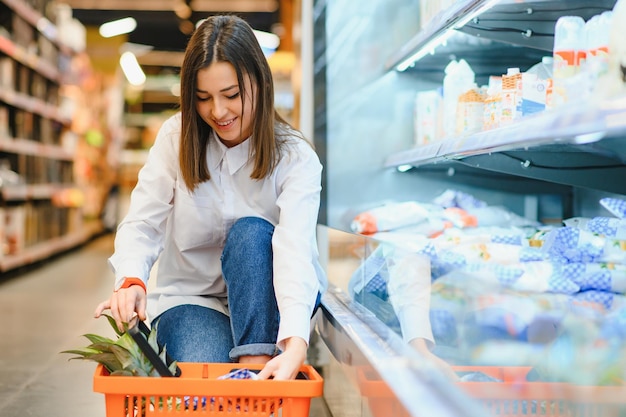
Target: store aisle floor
[45,310]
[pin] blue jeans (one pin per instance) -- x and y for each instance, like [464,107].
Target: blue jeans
[194,333]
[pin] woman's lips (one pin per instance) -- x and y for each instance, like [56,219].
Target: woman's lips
[224,125]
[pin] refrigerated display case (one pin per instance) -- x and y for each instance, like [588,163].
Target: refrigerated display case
[525,301]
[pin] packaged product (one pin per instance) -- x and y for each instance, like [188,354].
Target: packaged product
[533,94]
[511,96]
[492,109]
[427,116]
[470,111]
[391,216]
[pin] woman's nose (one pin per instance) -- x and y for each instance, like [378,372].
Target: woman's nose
[219,109]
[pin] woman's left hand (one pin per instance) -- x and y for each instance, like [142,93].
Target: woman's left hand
[286,365]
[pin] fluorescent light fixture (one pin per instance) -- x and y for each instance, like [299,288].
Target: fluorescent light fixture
[132,70]
[404,168]
[470,16]
[428,48]
[118,27]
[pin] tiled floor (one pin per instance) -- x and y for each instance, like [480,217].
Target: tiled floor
[45,310]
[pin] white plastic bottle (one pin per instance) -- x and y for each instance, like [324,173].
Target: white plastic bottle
[597,32]
[459,78]
[569,44]
[614,81]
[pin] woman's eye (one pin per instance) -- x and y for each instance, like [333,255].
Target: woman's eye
[233,96]
[202,98]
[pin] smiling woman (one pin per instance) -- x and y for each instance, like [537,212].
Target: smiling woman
[228,202]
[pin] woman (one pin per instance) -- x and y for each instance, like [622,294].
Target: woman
[228,202]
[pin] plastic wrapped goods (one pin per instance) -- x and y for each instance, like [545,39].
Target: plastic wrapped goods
[391,216]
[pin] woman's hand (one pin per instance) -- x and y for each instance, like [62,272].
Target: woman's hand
[286,365]
[422,347]
[124,303]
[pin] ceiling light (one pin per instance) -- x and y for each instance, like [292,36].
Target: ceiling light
[131,68]
[118,27]
[182,10]
[186,27]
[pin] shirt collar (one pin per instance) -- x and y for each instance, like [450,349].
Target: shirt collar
[236,156]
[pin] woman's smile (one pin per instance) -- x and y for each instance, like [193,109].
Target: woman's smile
[220,103]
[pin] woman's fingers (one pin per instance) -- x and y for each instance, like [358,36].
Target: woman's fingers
[105,305]
[123,305]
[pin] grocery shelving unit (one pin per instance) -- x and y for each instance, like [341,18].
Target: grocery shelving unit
[579,146]
[38,217]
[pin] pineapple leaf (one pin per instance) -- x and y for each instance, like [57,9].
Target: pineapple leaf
[126,341]
[101,347]
[97,339]
[109,360]
[173,367]
[136,363]
[84,352]
[113,324]
[122,372]
[122,355]
[152,339]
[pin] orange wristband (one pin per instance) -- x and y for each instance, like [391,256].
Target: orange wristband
[129,282]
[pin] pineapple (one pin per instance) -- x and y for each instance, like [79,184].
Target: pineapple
[122,356]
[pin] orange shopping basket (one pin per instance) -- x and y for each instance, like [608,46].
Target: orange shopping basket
[516,396]
[199,392]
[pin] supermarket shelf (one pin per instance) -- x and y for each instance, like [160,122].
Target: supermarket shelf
[32,191]
[31,147]
[50,247]
[33,105]
[20,54]
[445,21]
[37,20]
[576,145]
[529,24]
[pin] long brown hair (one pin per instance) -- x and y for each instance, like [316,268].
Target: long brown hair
[227,38]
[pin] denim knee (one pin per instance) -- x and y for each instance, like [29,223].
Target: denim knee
[250,230]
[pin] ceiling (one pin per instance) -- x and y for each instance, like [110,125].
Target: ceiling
[158,24]
[161,36]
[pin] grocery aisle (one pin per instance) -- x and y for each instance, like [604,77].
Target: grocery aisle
[45,310]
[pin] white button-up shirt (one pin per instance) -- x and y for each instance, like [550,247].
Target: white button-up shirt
[186,230]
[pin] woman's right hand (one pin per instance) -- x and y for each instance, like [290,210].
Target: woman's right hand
[124,303]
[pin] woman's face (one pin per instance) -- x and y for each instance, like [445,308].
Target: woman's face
[218,102]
